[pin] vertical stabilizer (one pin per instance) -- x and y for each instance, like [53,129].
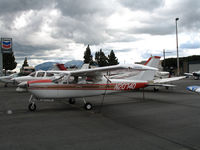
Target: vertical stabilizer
[148,75]
[85,66]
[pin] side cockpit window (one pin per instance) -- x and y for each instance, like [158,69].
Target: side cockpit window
[40,74]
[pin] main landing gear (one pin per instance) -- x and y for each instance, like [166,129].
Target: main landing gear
[87,105]
[72,101]
[32,105]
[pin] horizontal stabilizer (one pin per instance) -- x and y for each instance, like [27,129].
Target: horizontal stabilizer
[165,80]
[162,85]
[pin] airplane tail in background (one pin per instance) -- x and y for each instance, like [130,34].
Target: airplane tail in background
[59,67]
[153,61]
[85,66]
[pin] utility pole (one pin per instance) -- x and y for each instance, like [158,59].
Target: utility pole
[164,59]
[1,62]
[178,71]
[164,64]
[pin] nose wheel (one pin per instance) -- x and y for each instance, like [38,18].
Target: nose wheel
[32,106]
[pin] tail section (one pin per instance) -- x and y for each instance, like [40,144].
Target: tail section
[85,66]
[153,61]
[59,67]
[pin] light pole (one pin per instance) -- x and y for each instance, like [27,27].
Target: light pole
[178,71]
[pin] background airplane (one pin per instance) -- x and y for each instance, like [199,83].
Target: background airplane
[196,75]
[19,77]
[8,79]
[194,88]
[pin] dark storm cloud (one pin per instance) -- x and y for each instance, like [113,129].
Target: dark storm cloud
[83,21]
[161,20]
[144,5]
[79,8]
[154,29]
[13,6]
[10,9]
[190,14]
[86,30]
[28,50]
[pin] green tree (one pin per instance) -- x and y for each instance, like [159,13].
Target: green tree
[9,62]
[97,57]
[101,58]
[25,64]
[87,56]
[112,59]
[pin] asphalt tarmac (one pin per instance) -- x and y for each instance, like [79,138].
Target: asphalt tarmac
[164,120]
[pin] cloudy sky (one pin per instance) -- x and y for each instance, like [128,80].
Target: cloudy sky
[60,30]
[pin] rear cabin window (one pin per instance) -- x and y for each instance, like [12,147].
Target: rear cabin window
[50,74]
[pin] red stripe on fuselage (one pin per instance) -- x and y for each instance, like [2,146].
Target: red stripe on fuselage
[113,86]
[39,81]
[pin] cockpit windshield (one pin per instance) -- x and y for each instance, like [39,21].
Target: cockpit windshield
[32,74]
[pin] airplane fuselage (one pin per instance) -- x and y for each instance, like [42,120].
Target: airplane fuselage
[47,89]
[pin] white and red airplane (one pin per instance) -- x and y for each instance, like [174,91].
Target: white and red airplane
[90,82]
[96,81]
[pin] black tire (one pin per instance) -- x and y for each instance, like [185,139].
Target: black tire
[88,106]
[155,89]
[72,101]
[6,85]
[32,107]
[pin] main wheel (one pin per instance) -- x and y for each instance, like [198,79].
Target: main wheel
[32,107]
[88,106]
[72,101]
[155,89]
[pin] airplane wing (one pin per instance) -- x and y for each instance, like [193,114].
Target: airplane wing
[195,89]
[100,70]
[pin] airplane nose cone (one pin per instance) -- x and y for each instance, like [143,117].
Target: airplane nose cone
[14,80]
